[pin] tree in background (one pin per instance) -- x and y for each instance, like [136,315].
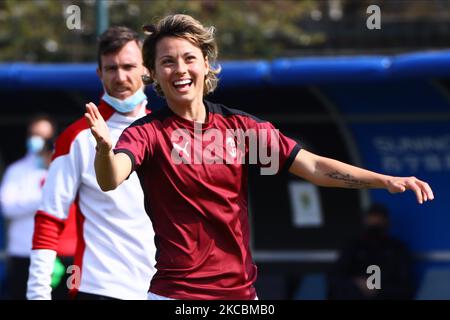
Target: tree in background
[36,30]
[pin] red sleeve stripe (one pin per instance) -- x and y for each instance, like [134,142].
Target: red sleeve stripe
[68,238]
[47,229]
[66,138]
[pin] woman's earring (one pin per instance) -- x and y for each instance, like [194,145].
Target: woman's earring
[146,78]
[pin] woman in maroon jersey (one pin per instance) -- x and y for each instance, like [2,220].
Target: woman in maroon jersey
[192,160]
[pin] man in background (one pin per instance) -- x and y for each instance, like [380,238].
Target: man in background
[20,196]
[115,251]
[375,246]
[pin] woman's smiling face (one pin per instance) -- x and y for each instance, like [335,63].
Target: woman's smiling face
[180,69]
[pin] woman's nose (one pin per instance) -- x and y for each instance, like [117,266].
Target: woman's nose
[181,68]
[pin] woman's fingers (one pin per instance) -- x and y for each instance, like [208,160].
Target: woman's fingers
[421,189]
[89,119]
[97,114]
[98,126]
[92,110]
[91,116]
[426,189]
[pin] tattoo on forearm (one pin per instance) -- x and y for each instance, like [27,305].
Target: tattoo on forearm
[348,180]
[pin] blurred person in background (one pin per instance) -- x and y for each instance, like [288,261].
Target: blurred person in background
[115,251]
[375,246]
[20,196]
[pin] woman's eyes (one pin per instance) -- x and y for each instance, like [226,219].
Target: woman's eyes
[171,61]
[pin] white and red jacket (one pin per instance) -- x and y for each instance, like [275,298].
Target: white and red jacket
[115,249]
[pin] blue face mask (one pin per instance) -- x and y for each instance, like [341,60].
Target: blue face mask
[127,105]
[35,144]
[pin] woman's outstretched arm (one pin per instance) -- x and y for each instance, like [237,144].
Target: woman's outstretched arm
[328,172]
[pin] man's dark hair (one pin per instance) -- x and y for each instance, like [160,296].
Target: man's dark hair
[41,117]
[49,142]
[114,39]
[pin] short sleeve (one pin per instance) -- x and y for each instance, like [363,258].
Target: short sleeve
[137,141]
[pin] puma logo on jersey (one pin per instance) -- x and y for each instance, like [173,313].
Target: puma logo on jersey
[182,150]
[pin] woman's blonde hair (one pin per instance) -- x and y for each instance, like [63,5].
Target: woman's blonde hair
[185,27]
